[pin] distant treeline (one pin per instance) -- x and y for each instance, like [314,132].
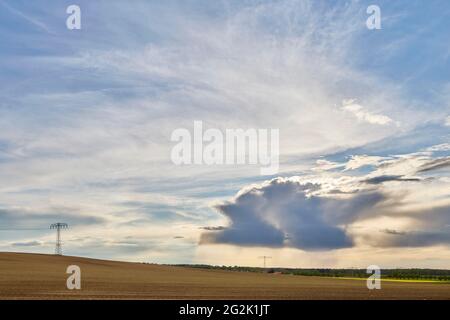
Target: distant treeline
[402,274]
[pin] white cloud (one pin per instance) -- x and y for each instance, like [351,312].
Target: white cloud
[325,165]
[363,115]
[359,161]
[27,17]
[439,147]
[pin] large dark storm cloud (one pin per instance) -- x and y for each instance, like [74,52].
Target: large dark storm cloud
[283,213]
[292,212]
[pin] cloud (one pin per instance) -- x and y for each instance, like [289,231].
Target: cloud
[439,147]
[411,238]
[435,164]
[27,244]
[283,212]
[421,239]
[334,211]
[392,231]
[386,178]
[28,18]
[363,115]
[25,218]
[218,228]
[358,161]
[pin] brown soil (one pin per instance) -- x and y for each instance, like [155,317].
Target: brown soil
[37,276]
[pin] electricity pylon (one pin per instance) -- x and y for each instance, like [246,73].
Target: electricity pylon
[59,226]
[264,258]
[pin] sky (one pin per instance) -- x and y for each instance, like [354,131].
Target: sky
[86,118]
